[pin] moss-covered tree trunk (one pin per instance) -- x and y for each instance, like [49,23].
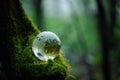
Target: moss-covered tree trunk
[17,61]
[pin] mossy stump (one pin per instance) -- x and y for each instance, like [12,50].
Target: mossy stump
[17,59]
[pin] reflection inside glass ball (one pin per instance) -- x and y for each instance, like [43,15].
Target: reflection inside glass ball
[46,45]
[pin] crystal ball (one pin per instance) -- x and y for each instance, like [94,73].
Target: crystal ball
[46,45]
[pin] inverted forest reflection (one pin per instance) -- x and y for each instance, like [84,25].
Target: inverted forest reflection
[89,31]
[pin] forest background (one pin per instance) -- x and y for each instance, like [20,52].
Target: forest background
[89,31]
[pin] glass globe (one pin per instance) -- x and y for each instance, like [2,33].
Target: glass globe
[46,45]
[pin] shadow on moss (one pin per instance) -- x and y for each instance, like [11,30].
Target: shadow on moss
[46,71]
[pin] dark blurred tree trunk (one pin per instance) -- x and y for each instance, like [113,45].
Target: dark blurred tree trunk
[106,25]
[38,13]
[2,73]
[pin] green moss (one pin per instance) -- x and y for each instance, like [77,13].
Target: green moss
[27,66]
[43,71]
[70,77]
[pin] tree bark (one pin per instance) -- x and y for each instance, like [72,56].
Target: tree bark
[106,25]
[17,61]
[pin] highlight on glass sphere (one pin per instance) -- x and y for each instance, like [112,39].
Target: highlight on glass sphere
[46,45]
